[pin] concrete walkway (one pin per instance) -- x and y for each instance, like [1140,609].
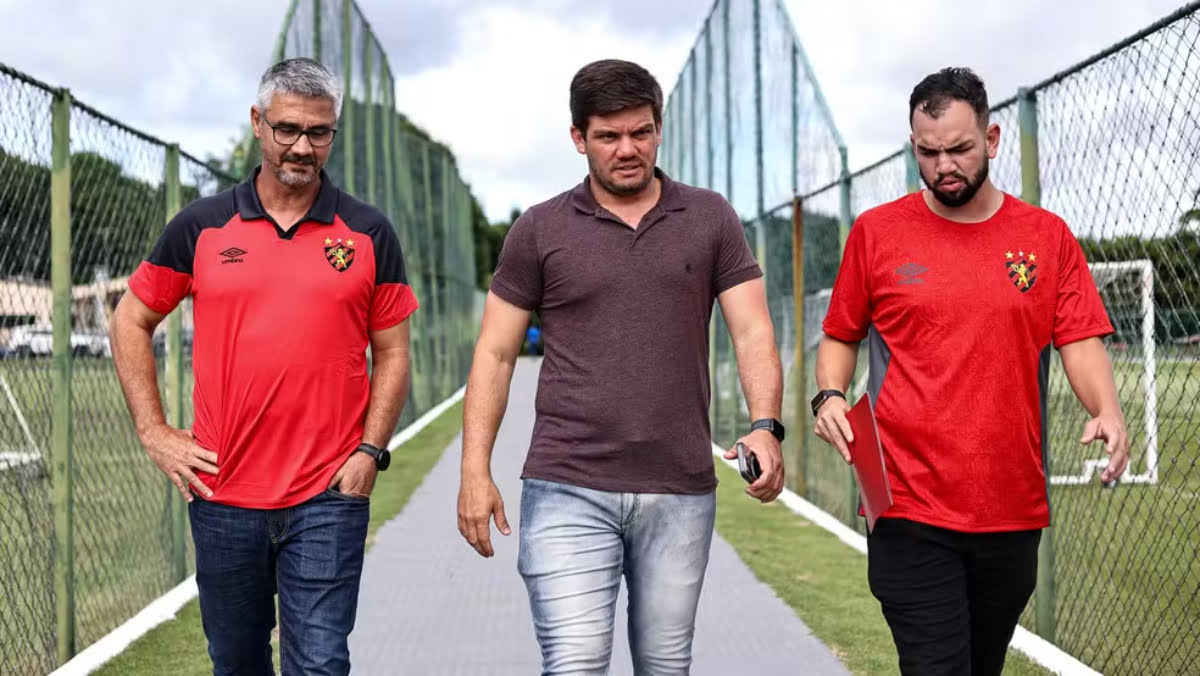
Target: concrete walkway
[431,606]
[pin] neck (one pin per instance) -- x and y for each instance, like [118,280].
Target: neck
[277,196]
[983,205]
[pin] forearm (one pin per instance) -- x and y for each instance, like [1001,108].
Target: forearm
[1090,373]
[835,364]
[133,356]
[389,391]
[483,409]
[760,372]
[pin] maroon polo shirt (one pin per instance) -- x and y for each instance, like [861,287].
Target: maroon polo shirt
[282,322]
[622,400]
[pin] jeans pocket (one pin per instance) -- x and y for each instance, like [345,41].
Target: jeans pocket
[335,493]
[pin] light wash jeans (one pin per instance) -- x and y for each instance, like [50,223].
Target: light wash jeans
[575,543]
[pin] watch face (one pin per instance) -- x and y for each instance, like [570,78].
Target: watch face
[385,459]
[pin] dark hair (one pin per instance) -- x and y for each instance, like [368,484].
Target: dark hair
[935,93]
[609,86]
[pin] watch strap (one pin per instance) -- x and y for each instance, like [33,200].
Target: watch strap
[771,425]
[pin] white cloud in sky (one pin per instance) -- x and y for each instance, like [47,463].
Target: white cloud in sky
[489,78]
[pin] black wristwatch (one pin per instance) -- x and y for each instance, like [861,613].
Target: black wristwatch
[771,425]
[383,457]
[824,396]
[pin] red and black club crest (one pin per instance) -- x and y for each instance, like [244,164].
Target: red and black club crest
[1022,269]
[339,254]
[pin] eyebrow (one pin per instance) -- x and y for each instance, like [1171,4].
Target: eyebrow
[961,145]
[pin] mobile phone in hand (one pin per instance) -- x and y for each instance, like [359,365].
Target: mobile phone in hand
[748,464]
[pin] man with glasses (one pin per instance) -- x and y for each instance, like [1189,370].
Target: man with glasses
[291,280]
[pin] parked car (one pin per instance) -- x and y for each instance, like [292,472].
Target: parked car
[38,341]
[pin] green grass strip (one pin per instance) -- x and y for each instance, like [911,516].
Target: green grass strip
[819,577]
[178,646]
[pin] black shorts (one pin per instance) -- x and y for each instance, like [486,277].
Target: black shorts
[951,599]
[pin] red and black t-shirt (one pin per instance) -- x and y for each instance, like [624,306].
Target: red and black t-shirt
[282,321]
[961,318]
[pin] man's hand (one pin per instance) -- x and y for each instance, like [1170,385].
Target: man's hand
[356,476]
[178,455]
[1111,428]
[766,448]
[478,502]
[833,427]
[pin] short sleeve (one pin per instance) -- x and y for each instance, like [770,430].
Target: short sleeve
[393,300]
[849,314]
[1079,311]
[735,260]
[518,275]
[164,278]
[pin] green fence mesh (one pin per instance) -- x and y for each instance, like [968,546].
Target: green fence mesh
[1117,143]
[383,158]
[90,531]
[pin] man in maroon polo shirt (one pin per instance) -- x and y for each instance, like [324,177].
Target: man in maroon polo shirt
[291,279]
[962,291]
[623,271]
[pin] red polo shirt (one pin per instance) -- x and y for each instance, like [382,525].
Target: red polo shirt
[281,331]
[961,319]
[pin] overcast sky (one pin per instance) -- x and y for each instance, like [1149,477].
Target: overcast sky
[490,78]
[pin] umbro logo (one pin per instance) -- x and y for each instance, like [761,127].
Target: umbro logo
[233,255]
[911,273]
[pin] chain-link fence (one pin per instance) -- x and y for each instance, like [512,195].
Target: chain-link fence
[90,531]
[1111,145]
[383,158]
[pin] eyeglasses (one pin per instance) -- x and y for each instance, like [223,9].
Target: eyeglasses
[286,134]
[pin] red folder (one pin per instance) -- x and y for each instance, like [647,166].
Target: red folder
[867,455]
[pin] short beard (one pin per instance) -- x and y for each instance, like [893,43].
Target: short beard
[288,178]
[970,187]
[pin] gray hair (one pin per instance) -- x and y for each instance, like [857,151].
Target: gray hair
[300,76]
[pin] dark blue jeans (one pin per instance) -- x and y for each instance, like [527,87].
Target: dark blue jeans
[312,554]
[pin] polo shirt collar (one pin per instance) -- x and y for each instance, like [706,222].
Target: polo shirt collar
[671,198]
[322,211]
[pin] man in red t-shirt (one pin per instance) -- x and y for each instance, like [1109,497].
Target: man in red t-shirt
[291,280]
[962,291]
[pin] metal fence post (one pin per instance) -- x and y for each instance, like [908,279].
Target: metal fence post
[174,377]
[844,225]
[1031,192]
[318,38]
[795,120]
[430,265]
[349,141]
[370,146]
[758,116]
[912,173]
[387,155]
[281,39]
[800,371]
[63,470]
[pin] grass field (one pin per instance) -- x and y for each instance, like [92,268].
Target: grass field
[121,509]
[1127,560]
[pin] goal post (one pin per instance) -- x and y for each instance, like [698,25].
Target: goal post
[1127,289]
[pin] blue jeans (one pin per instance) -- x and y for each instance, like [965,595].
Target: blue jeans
[311,553]
[575,544]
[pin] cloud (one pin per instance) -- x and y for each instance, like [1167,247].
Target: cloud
[502,106]
[489,77]
[184,72]
[868,57]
